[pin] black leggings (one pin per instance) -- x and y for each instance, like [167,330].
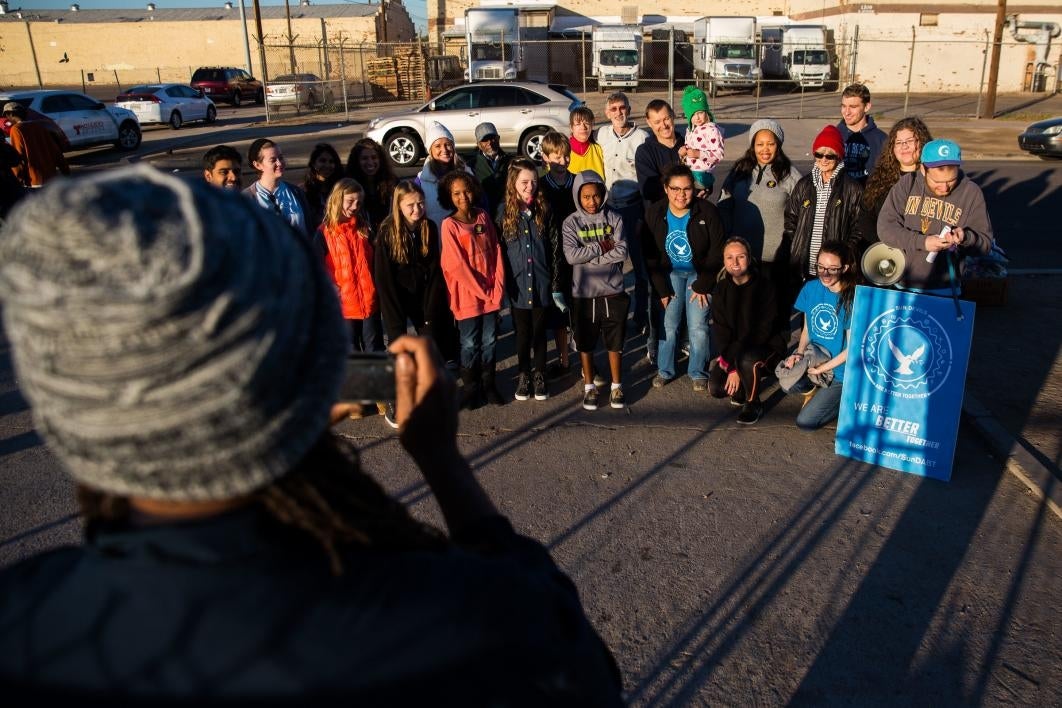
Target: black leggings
[530,326]
[753,362]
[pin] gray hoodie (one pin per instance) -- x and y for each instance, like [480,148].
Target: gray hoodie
[594,273]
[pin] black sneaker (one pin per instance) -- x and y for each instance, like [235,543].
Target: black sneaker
[616,398]
[750,413]
[523,387]
[590,399]
[541,393]
[738,399]
[389,415]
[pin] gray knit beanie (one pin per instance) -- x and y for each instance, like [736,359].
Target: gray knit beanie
[175,341]
[767,124]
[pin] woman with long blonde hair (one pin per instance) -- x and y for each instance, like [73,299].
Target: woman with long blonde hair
[409,279]
[344,240]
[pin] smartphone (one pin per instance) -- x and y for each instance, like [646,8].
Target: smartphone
[370,378]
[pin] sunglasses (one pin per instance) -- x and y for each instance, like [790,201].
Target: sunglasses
[825,156]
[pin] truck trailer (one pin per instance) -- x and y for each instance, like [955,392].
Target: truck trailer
[797,53]
[493,40]
[724,53]
[617,51]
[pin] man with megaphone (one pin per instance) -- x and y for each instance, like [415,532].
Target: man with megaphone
[936,210]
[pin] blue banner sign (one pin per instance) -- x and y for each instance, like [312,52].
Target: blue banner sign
[904,381]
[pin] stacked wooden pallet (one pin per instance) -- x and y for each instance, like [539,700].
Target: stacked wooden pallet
[400,75]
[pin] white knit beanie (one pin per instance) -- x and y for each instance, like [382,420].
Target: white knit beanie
[174,340]
[767,124]
[437,130]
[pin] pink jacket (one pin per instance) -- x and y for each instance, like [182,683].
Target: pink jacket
[709,140]
[472,266]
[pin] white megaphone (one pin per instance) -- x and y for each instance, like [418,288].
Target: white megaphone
[883,265]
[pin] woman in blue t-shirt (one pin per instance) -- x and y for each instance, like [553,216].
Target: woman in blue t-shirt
[682,240]
[827,307]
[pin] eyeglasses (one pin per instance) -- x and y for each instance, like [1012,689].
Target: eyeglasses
[678,190]
[825,156]
[942,182]
[910,142]
[827,271]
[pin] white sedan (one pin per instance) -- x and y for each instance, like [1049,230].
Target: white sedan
[175,104]
[86,121]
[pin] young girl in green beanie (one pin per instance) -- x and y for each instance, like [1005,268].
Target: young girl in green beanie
[704,140]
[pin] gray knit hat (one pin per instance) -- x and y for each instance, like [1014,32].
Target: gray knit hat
[767,124]
[175,341]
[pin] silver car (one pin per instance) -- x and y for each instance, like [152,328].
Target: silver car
[523,111]
[298,90]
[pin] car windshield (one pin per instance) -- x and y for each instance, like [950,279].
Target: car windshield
[619,57]
[492,52]
[208,75]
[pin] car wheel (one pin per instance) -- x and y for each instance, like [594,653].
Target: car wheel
[212,114]
[402,148]
[175,120]
[128,136]
[236,99]
[259,97]
[531,143]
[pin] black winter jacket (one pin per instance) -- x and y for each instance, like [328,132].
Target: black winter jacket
[410,290]
[706,235]
[842,220]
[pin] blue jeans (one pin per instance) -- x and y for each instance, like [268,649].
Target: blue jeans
[632,215]
[477,341]
[822,408]
[696,324]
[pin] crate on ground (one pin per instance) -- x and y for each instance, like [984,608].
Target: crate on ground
[986,292]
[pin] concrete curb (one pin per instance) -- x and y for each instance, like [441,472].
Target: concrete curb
[1019,462]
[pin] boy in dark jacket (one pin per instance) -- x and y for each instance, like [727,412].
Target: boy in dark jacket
[593,243]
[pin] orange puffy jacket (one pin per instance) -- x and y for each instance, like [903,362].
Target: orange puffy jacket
[349,260]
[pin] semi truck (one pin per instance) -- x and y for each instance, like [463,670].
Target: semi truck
[797,53]
[493,40]
[617,51]
[724,53]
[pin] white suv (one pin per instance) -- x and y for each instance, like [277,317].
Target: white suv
[523,111]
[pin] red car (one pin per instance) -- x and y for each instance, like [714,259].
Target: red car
[31,114]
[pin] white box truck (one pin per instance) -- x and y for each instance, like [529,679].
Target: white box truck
[797,53]
[493,36]
[724,53]
[617,51]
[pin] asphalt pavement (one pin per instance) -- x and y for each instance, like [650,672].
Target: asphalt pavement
[728,564]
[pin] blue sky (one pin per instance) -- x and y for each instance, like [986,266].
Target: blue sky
[417,8]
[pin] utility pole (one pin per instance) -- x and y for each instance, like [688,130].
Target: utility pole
[261,41]
[291,37]
[993,69]
[246,40]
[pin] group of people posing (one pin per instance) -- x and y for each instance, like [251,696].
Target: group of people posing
[443,252]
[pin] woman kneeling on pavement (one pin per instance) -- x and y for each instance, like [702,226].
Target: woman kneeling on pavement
[827,307]
[683,245]
[745,331]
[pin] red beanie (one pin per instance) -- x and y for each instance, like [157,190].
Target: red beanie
[831,138]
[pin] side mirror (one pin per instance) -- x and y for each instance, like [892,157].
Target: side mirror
[431,106]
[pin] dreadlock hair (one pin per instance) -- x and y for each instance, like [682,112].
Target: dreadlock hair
[514,205]
[849,275]
[326,498]
[391,235]
[887,172]
[334,206]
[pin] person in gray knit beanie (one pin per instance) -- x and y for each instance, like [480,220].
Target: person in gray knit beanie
[182,350]
[174,342]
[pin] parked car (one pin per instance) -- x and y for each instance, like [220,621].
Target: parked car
[1043,138]
[523,112]
[167,103]
[229,84]
[51,125]
[298,90]
[85,121]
